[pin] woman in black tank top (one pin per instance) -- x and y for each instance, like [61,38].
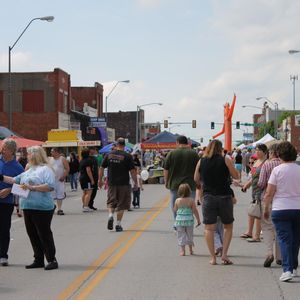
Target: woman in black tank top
[213,173]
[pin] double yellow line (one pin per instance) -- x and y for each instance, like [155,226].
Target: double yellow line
[87,281]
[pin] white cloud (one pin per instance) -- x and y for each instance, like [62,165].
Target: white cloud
[20,61]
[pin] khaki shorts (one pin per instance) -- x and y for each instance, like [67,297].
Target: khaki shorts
[119,197]
[59,190]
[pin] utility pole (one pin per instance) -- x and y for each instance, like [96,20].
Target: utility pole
[293,78]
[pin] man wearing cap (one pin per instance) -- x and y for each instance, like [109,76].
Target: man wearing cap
[179,167]
[118,163]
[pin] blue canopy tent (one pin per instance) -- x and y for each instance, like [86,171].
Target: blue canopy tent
[107,148]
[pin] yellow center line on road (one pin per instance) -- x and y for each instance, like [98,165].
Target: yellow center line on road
[129,237]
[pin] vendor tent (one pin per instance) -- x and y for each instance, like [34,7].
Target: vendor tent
[264,139]
[24,143]
[163,140]
[5,132]
[108,148]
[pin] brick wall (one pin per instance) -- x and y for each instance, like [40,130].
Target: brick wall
[34,126]
[93,96]
[124,123]
[55,87]
[295,133]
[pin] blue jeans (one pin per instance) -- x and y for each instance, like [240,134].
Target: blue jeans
[287,225]
[73,180]
[174,196]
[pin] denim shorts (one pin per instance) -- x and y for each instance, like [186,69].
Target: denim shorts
[214,206]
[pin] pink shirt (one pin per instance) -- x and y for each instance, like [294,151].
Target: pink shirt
[286,178]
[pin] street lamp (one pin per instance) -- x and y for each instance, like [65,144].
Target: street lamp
[137,118]
[293,78]
[294,51]
[275,104]
[48,19]
[251,106]
[120,81]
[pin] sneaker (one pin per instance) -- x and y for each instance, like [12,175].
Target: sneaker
[286,276]
[119,228]
[93,207]
[86,209]
[51,265]
[3,261]
[60,212]
[110,223]
[294,274]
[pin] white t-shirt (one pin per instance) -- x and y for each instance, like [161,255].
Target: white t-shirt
[286,178]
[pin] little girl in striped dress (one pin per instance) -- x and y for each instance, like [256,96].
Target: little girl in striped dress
[185,208]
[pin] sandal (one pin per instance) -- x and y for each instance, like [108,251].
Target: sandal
[226,262]
[245,236]
[251,240]
[268,261]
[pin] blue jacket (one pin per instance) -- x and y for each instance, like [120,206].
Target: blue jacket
[9,168]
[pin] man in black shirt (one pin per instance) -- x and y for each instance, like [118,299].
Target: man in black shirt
[95,170]
[118,163]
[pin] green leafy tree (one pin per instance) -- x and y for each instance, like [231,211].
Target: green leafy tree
[287,114]
[266,128]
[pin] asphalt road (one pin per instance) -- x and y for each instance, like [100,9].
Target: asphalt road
[142,262]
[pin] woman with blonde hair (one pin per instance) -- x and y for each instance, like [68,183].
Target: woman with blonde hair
[214,171]
[38,206]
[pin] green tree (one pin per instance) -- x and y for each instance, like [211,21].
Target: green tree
[287,114]
[266,128]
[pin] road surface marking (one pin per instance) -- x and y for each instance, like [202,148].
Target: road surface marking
[112,255]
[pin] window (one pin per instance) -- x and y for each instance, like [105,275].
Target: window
[33,101]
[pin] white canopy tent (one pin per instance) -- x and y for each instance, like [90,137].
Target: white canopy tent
[265,139]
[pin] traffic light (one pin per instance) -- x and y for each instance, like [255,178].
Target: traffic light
[212,125]
[237,125]
[165,123]
[194,123]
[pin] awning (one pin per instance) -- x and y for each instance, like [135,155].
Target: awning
[59,144]
[49,144]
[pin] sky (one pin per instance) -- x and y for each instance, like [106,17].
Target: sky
[190,55]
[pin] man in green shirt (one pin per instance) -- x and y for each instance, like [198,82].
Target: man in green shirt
[179,167]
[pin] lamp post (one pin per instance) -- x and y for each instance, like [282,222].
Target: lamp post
[294,51]
[275,105]
[113,88]
[48,19]
[293,78]
[137,118]
[251,106]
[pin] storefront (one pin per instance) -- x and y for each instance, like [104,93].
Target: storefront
[67,141]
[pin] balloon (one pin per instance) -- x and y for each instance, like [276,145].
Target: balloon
[145,175]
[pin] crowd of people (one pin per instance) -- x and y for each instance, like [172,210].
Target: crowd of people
[273,176]
[193,177]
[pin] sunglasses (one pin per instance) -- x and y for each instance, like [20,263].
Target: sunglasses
[251,162]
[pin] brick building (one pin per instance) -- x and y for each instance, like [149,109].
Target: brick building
[93,96]
[37,100]
[124,123]
[42,101]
